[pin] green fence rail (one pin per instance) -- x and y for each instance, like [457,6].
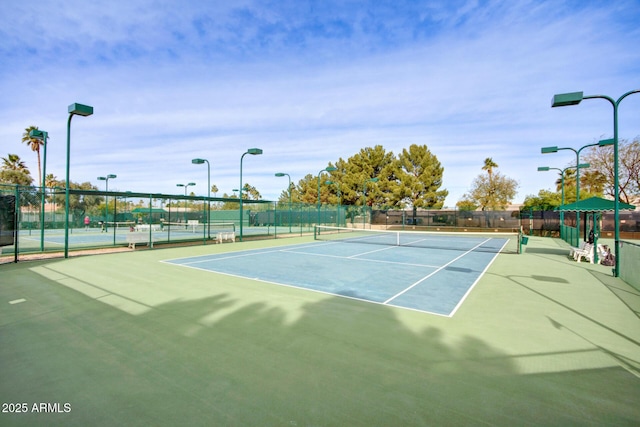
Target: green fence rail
[571,235]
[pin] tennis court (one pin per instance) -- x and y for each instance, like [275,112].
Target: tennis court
[118,234]
[429,272]
[130,339]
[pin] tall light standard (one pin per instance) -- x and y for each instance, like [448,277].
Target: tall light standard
[327,169]
[280,174]
[574,98]
[339,199]
[253,152]
[41,135]
[74,110]
[364,206]
[199,162]
[186,186]
[562,171]
[546,150]
[106,198]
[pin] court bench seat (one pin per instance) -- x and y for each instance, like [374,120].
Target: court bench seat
[226,236]
[580,248]
[137,238]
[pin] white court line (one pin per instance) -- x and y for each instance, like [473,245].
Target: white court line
[214,257]
[431,274]
[235,254]
[370,252]
[308,289]
[363,259]
[466,294]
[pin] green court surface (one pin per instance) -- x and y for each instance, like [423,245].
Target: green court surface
[126,339]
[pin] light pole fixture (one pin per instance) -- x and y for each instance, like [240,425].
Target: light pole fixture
[200,162]
[106,198]
[364,206]
[280,175]
[253,152]
[574,98]
[562,171]
[547,150]
[42,136]
[74,110]
[327,169]
[186,186]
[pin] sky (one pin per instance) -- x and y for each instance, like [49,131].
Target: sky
[310,82]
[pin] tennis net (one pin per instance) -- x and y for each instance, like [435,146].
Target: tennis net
[495,242]
[198,228]
[124,225]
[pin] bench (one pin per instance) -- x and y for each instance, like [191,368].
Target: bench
[226,236]
[573,250]
[139,238]
[586,252]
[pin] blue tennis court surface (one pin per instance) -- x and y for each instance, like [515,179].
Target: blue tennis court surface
[55,238]
[430,280]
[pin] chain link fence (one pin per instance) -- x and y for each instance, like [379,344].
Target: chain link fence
[33,221]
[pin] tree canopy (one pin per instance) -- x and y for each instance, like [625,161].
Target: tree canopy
[545,200]
[411,179]
[420,176]
[601,161]
[492,191]
[14,171]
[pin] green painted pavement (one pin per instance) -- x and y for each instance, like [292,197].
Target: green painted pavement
[123,339]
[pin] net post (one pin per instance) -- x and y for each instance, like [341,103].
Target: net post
[520,235]
[16,222]
[151,221]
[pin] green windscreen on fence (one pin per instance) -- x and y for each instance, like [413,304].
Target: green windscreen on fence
[99,219]
[7,220]
[630,263]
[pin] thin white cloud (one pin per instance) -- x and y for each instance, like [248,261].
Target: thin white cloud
[469,79]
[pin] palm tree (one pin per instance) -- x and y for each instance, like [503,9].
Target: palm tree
[489,164]
[35,144]
[13,163]
[14,171]
[569,179]
[50,180]
[593,181]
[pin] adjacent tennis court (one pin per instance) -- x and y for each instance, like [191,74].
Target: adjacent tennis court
[430,272]
[119,233]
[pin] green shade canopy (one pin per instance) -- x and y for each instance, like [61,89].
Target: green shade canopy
[594,204]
